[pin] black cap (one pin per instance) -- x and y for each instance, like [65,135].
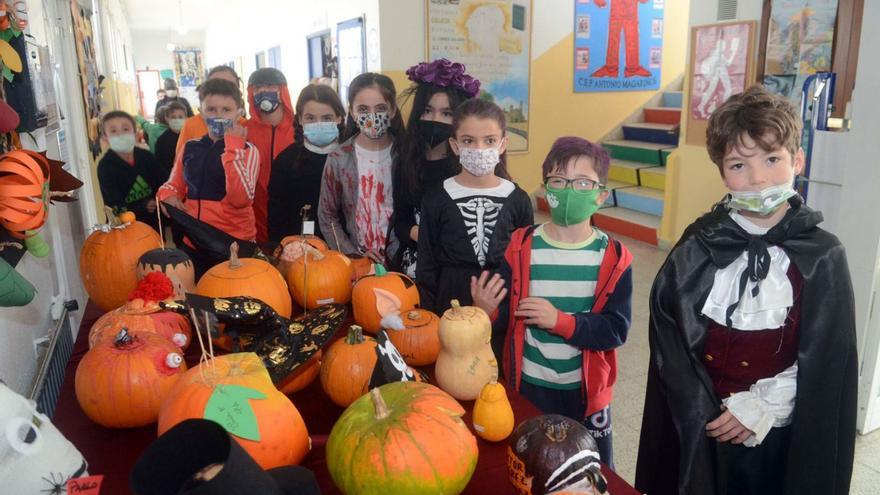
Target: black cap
[267,76]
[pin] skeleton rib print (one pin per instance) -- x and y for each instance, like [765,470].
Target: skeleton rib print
[480,216]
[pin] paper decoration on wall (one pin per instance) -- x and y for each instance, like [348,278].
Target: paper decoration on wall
[618,45]
[189,67]
[492,38]
[15,290]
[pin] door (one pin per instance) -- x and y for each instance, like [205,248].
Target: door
[148,83]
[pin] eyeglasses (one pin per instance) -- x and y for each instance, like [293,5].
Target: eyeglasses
[579,184]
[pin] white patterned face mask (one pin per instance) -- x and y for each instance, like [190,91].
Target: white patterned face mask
[762,202]
[479,162]
[374,125]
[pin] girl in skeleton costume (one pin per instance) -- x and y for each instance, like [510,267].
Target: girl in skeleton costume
[467,221]
[438,88]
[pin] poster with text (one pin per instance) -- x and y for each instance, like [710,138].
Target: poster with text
[618,45]
[719,67]
[492,39]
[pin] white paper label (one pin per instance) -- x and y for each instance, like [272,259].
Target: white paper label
[325,301]
[479,428]
[308,228]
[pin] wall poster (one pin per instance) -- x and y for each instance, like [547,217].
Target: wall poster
[618,45]
[800,38]
[189,67]
[722,64]
[492,38]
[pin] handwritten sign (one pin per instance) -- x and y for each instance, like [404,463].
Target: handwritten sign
[89,485]
[230,407]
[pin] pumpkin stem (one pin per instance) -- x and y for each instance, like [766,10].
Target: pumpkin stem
[309,249]
[234,262]
[382,411]
[556,431]
[455,305]
[112,219]
[355,335]
[123,338]
[380,270]
[414,315]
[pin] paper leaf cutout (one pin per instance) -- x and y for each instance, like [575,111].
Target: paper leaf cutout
[230,406]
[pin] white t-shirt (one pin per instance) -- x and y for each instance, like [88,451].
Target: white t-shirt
[375,201]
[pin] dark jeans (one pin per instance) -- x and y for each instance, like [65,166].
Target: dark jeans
[570,403]
[758,470]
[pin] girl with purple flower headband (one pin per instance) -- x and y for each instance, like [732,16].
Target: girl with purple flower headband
[438,88]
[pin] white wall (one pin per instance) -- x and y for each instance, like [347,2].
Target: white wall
[288,26]
[150,46]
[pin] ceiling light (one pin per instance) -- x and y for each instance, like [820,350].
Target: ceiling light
[170,47]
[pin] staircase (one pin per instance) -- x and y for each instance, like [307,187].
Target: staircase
[637,176]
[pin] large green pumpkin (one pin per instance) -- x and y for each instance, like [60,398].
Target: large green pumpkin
[402,438]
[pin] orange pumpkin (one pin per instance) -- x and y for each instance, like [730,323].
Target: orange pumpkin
[283,438]
[370,291]
[403,437]
[419,342]
[362,266]
[292,247]
[302,377]
[109,257]
[319,278]
[122,384]
[127,217]
[142,317]
[348,366]
[246,277]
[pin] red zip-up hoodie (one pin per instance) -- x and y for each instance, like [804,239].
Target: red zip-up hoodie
[597,332]
[270,141]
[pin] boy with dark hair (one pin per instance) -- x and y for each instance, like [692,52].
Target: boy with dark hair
[561,303]
[214,178]
[753,372]
[174,116]
[128,175]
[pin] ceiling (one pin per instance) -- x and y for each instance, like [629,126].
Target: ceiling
[166,14]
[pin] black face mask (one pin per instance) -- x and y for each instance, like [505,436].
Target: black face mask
[434,132]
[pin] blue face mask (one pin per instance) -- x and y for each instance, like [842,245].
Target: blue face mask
[321,133]
[267,101]
[218,126]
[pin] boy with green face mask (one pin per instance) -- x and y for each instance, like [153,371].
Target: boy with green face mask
[561,303]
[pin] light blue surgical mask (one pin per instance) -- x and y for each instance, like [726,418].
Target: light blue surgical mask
[321,133]
[122,143]
[218,126]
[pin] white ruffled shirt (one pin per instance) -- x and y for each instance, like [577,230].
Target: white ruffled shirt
[770,401]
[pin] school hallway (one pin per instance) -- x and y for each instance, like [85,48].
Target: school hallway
[629,393]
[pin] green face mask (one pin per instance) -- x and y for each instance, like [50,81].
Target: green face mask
[570,207]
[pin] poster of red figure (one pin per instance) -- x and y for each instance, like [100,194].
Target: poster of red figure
[618,45]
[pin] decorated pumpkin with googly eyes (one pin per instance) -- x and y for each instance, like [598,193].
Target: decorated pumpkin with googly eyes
[122,383]
[36,456]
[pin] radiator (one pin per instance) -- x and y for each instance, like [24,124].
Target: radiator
[47,385]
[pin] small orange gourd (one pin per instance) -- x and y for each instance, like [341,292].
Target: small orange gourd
[466,362]
[493,415]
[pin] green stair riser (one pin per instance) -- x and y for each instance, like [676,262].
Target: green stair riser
[632,154]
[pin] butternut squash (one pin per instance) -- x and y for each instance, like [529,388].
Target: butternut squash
[466,362]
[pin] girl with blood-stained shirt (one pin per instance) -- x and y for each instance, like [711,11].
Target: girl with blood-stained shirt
[356,203]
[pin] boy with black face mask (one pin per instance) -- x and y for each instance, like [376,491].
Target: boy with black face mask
[427,161]
[271,130]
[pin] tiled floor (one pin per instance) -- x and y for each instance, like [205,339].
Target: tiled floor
[629,394]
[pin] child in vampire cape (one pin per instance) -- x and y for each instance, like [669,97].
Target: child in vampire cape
[753,372]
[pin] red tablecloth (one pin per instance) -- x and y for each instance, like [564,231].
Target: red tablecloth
[113,453]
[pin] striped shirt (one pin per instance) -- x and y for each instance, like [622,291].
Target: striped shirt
[566,275]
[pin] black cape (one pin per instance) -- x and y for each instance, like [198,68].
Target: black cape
[675,455]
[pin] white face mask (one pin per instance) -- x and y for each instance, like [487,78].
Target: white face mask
[176,124]
[479,162]
[762,202]
[171,93]
[122,143]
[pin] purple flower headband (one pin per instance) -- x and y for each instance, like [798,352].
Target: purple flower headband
[444,74]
